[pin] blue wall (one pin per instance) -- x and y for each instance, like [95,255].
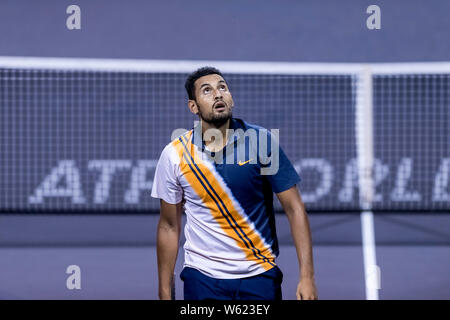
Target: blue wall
[120,120]
[306,30]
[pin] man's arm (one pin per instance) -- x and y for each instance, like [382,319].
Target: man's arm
[301,233]
[168,236]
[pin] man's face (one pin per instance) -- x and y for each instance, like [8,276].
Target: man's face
[213,99]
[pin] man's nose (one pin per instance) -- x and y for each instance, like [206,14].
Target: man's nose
[217,94]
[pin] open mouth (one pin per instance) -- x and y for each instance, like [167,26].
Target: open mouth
[219,106]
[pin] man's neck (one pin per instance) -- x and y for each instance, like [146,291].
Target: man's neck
[212,144]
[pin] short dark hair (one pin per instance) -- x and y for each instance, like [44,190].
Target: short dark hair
[201,72]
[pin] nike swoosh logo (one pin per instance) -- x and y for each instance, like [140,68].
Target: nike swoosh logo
[241,163]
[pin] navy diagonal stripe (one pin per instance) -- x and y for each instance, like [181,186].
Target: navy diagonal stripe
[265,259]
[220,209]
[206,189]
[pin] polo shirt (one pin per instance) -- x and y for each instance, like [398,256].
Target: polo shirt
[230,223]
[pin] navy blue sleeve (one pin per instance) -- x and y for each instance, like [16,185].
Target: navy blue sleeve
[285,177]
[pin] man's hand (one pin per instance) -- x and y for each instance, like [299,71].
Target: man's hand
[306,289]
[165,296]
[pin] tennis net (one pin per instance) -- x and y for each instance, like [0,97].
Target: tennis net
[85,135]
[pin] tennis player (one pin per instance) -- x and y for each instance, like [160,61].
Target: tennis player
[231,241]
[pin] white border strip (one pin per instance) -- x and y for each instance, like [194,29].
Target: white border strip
[365,162]
[410,68]
[372,272]
[364,138]
[175,66]
[186,66]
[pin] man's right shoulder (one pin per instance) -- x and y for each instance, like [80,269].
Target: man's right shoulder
[169,151]
[186,135]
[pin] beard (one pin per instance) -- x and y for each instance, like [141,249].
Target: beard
[216,119]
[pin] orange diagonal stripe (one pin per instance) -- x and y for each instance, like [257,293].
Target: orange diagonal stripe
[218,193]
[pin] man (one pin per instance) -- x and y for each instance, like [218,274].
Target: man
[231,243]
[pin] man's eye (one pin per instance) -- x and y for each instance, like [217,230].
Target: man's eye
[207,90]
[223,88]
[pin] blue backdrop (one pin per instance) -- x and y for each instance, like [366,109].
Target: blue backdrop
[251,30]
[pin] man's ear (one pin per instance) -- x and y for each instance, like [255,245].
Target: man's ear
[193,106]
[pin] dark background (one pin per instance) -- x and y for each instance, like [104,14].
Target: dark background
[249,30]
